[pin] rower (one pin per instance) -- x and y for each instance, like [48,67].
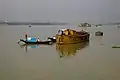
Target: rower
[26,36]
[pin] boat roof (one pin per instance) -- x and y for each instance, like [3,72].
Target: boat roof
[63,29]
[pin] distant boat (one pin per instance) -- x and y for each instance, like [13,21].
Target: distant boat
[99,33]
[84,25]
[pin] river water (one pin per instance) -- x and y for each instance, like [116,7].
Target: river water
[96,60]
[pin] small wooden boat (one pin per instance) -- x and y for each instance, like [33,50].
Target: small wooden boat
[99,33]
[70,36]
[41,42]
[34,40]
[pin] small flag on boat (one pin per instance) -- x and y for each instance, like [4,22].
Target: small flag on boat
[26,32]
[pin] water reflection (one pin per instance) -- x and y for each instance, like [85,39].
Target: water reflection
[70,49]
[99,40]
[29,46]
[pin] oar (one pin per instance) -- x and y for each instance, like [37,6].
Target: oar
[19,41]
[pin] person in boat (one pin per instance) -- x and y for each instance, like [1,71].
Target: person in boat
[38,39]
[26,36]
[61,31]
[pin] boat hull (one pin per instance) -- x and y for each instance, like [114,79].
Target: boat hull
[41,42]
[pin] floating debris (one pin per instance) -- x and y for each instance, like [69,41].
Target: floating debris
[30,25]
[116,46]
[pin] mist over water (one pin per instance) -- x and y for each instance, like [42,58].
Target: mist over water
[74,11]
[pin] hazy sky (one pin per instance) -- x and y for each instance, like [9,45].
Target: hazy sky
[92,11]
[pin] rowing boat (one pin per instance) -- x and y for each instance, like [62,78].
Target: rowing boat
[41,42]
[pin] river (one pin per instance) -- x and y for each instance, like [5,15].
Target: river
[96,60]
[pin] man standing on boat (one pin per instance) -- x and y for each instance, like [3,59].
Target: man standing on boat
[26,36]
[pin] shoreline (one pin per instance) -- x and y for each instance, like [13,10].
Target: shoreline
[32,23]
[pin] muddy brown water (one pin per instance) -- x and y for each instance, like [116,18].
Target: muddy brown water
[95,61]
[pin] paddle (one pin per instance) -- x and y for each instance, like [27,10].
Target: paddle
[19,41]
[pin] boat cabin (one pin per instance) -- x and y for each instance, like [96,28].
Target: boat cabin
[32,39]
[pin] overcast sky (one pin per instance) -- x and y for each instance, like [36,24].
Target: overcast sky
[73,11]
